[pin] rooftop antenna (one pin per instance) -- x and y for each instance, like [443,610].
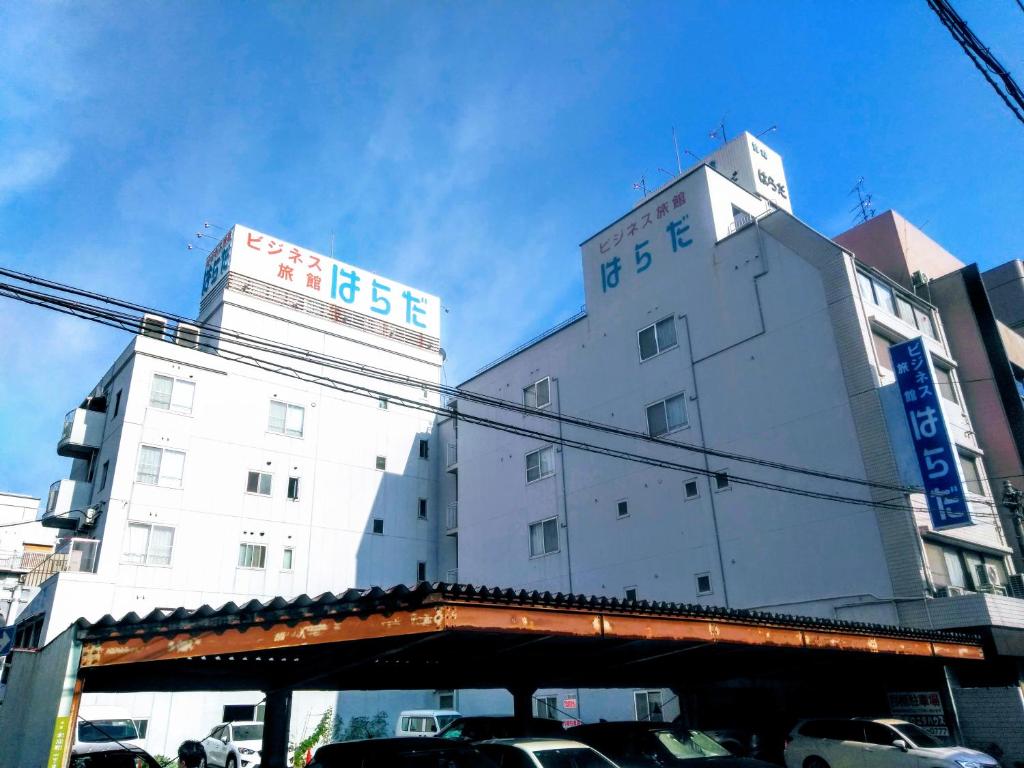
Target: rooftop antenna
[864,209]
[691,154]
[719,132]
[207,225]
[667,173]
[675,143]
[770,129]
[641,186]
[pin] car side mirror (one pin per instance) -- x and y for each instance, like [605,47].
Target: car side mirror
[225,739]
[901,745]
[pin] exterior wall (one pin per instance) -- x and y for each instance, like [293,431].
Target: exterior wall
[1005,287]
[992,717]
[22,545]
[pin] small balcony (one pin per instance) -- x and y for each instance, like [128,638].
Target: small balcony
[451,519]
[81,557]
[66,504]
[82,433]
[452,458]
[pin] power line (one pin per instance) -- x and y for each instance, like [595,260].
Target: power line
[996,74]
[131,323]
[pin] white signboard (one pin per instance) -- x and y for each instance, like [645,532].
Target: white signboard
[922,708]
[247,252]
[755,167]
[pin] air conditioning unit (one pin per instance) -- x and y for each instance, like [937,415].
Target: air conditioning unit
[988,576]
[153,326]
[1015,585]
[992,589]
[186,335]
[920,278]
[950,591]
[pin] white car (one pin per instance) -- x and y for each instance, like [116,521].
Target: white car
[874,743]
[543,753]
[234,745]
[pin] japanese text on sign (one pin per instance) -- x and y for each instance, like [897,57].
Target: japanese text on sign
[935,454]
[639,233]
[923,709]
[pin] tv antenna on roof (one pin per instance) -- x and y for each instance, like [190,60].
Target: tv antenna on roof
[719,132]
[864,209]
[641,186]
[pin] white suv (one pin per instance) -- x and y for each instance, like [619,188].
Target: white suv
[881,743]
[234,745]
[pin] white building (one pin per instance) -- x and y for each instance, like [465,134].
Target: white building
[718,322]
[199,476]
[24,544]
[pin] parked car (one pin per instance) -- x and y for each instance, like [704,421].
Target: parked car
[871,743]
[406,752]
[634,744]
[764,744]
[543,753]
[423,722]
[234,745]
[103,724]
[107,755]
[481,727]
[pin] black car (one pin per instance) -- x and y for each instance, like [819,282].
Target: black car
[634,744]
[405,752]
[483,727]
[110,755]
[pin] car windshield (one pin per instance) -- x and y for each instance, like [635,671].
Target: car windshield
[107,730]
[252,732]
[917,736]
[443,720]
[689,744]
[113,760]
[454,757]
[571,757]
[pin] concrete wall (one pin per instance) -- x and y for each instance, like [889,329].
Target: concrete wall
[1005,287]
[991,721]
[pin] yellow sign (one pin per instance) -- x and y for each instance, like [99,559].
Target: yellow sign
[59,745]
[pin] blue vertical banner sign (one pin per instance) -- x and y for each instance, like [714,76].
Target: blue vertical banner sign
[936,456]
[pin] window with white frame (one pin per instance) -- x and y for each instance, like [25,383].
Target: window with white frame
[545,707]
[622,508]
[293,489]
[882,345]
[538,394]
[148,544]
[170,394]
[722,482]
[944,381]
[286,419]
[421,571]
[288,559]
[104,474]
[666,415]
[648,706]
[971,466]
[544,537]
[690,489]
[252,555]
[655,339]
[160,466]
[895,301]
[259,483]
[421,509]
[539,464]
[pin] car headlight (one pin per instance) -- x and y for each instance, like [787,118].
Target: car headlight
[969,764]
[247,751]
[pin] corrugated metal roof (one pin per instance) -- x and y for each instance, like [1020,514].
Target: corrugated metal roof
[376,600]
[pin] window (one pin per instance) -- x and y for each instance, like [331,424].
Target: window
[648,706]
[690,489]
[880,293]
[142,726]
[421,571]
[622,508]
[538,394]
[293,489]
[882,344]
[288,559]
[544,537]
[259,483]
[104,474]
[170,394]
[160,466]
[545,707]
[382,403]
[446,699]
[630,593]
[424,449]
[655,339]
[382,463]
[944,381]
[666,416]
[703,583]
[421,510]
[117,403]
[972,473]
[721,481]
[252,555]
[378,525]
[149,544]
[878,733]
[286,419]
[539,464]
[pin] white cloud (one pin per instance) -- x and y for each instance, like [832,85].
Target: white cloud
[27,168]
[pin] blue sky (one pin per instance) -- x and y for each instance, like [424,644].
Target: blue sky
[463,148]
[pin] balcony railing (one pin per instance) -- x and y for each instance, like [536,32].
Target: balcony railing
[452,576]
[81,557]
[66,504]
[452,517]
[82,433]
[19,561]
[452,461]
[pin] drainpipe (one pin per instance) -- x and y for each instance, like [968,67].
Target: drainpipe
[565,500]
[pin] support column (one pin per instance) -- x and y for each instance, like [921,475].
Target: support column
[277,717]
[522,702]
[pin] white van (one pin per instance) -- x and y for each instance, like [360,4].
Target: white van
[424,722]
[101,724]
